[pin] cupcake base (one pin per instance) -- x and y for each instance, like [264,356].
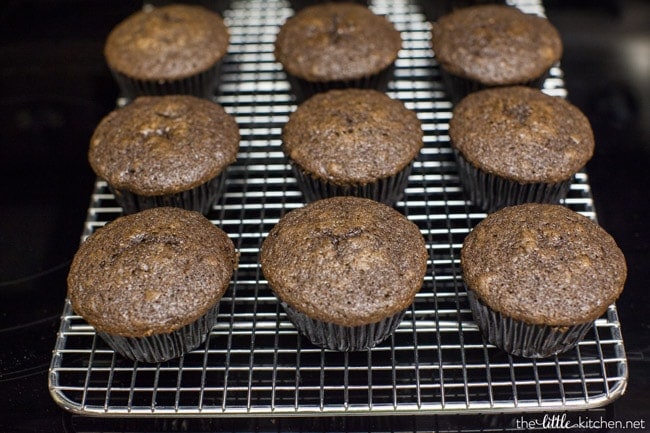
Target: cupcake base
[202,85]
[304,89]
[459,87]
[163,347]
[522,339]
[297,5]
[198,199]
[388,190]
[434,9]
[218,6]
[491,192]
[343,338]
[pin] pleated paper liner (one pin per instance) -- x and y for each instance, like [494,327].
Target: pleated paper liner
[202,85]
[520,338]
[459,87]
[304,89]
[163,347]
[388,190]
[491,192]
[200,198]
[343,338]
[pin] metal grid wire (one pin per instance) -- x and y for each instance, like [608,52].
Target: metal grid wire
[254,362]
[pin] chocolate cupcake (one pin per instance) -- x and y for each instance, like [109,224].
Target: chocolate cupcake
[337,45]
[352,142]
[516,145]
[493,45]
[218,6]
[150,283]
[174,49]
[538,275]
[297,5]
[165,151]
[345,270]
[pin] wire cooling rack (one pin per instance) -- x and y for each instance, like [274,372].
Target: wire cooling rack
[254,362]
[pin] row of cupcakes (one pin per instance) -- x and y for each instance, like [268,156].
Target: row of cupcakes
[537,274]
[150,282]
[175,150]
[345,270]
[179,48]
[513,145]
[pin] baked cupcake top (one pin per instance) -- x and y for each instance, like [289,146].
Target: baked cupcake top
[160,145]
[352,136]
[336,41]
[521,134]
[345,260]
[543,264]
[152,272]
[495,44]
[167,43]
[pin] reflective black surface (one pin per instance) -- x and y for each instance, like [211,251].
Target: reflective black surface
[54,88]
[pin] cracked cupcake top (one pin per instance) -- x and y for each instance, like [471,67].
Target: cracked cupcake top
[151,272]
[336,41]
[352,136]
[522,134]
[543,264]
[495,44]
[160,145]
[345,260]
[167,43]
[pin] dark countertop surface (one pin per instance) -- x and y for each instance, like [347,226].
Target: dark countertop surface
[55,87]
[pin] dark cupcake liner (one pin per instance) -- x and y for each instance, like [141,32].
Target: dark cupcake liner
[297,5]
[200,198]
[434,9]
[218,6]
[343,338]
[163,347]
[202,85]
[523,339]
[491,192]
[304,89]
[458,87]
[388,190]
